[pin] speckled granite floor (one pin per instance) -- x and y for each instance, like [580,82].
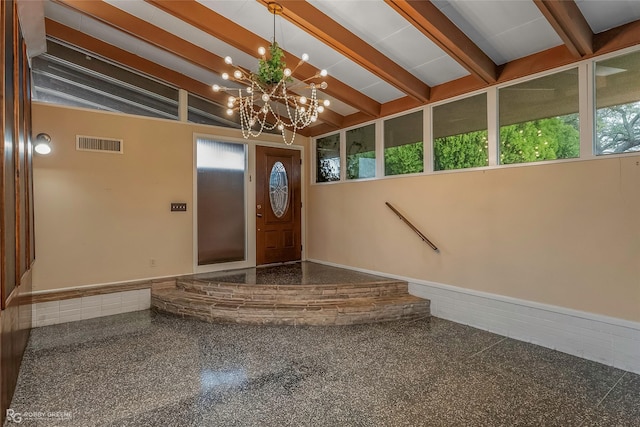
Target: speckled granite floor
[146,369]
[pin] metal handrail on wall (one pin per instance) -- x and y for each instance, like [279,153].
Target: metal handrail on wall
[413,227]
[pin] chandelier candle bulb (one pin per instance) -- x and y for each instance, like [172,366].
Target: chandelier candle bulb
[273,83]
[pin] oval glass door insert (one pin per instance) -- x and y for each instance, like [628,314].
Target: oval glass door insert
[278,189]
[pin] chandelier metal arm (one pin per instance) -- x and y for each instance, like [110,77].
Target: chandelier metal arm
[268,90]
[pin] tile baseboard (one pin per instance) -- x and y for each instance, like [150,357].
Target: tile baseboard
[65,310]
[99,289]
[608,340]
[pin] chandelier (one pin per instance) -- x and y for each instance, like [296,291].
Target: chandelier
[266,100]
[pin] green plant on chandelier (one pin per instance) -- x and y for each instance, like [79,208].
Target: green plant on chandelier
[271,70]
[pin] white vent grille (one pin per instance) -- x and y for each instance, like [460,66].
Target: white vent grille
[99,144]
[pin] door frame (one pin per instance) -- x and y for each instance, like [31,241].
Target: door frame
[294,208]
[250,201]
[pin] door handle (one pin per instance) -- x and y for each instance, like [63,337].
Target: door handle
[259,215]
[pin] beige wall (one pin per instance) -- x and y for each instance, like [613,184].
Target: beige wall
[102,217]
[566,234]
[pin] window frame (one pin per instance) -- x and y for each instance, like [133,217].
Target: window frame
[586,115]
[314,158]
[431,139]
[375,151]
[593,101]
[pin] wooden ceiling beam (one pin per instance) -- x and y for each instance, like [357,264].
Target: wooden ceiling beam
[428,19]
[617,38]
[608,41]
[143,30]
[114,54]
[322,129]
[160,38]
[570,24]
[322,27]
[76,38]
[242,39]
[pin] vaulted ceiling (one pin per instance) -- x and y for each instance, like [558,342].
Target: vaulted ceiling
[383,56]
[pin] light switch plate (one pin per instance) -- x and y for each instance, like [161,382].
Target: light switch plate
[178,207]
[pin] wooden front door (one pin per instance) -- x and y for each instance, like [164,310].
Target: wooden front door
[278,205]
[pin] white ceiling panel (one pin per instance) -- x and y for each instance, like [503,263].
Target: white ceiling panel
[231,8]
[257,19]
[179,28]
[424,60]
[130,44]
[368,83]
[604,15]
[504,30]
[529,38]
[384,92]
[370,20]
[380,26]
[440,70]
[336,105]
[163,20]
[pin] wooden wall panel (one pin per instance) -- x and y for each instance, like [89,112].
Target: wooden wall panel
[16,201]
[21,160]
[28,167]
[3,69]
[8,185]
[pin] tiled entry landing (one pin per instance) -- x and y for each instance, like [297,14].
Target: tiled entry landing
[302,293]
[294,273]
[146,369]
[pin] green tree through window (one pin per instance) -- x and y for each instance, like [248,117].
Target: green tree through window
[537,140]
[468,150]
[404,159]
[618,129]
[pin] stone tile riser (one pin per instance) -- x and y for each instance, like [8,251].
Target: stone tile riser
[291,304]
[302,293]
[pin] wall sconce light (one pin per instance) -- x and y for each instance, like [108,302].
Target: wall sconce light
[43,144]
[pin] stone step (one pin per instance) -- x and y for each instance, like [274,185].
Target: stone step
[323,311]
[291,293]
